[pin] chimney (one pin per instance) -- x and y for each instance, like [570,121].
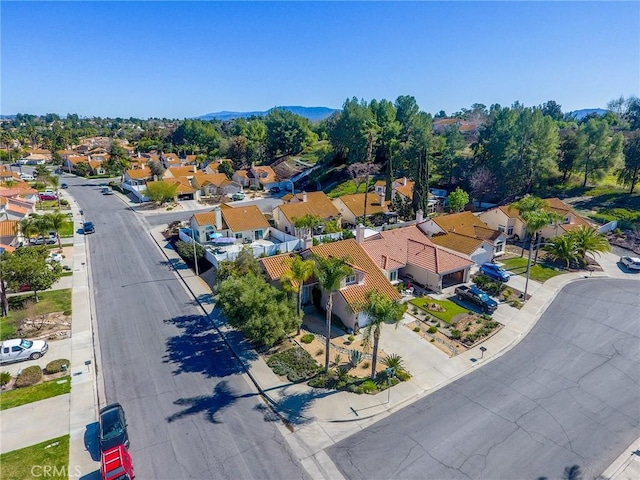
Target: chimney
[360,233]
[381,199]
[308,242]
[419,216]
[218,213]
[195,168]
[304,197]
[404,181]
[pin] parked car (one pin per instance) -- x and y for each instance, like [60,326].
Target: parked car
[55,257]
[64,186]
[113,427]
[495,271]
[50,240]
[21,349]
[115,464]
[48,196]
[27,177]
[237,196]
[107,191]
[477,297]
[632,263]
[88,227]
[274,190]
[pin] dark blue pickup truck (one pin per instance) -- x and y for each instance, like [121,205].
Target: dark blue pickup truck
[477,297]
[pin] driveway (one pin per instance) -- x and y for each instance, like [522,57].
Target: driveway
[57,349]
[567,394]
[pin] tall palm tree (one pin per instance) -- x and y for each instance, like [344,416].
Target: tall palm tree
[380,309]
[42,224]
[300,271]
[57,220]
[535,221]
[27,227]
[330,272]
[526,206]
[589,241]
[563,248]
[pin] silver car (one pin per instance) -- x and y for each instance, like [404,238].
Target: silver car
[632,263]
[22,349]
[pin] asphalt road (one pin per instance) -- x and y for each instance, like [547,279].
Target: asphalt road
[191,413]
[568,394]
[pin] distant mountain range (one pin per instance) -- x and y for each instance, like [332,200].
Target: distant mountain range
[314,114]
[580,114]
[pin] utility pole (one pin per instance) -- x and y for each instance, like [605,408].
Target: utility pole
[366,183]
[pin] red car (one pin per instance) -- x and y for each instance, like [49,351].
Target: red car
[48,196]
[116,464]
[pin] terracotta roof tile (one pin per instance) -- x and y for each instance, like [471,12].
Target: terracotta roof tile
[457,242]
[277,265]
[8,228]
[374,279]
[317,204]
[355,203]
[245,217]
[139,174]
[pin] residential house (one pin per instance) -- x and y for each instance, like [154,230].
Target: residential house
[305,203]
[467,234]
[9,233]
[20,192]
[135,181]
[507,219]
[170,160]
[403,189]
[257,176]
[96,168]
[69,163]
[7,175]
[351,207]
[176,172]
[184,189]
[215,184]
[245,223]
[34,159]
[15,208]
[409,254]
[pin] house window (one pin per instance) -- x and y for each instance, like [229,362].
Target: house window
[501,228]
[510,230]
[238,235]
[350,280]
[258,234]
[393,275]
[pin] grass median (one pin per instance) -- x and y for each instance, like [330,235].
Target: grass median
[35,393]
[47,460]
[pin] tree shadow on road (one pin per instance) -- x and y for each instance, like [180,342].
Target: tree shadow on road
[201,349]
[174,263]
[210,405]
[295,407]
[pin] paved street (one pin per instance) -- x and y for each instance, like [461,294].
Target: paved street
[568,394]
[191,411]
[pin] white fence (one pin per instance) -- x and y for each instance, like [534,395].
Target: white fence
[608,227]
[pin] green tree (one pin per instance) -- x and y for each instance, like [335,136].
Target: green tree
[57,221]
[348,130]
[27,227]
[226,168]
[572,147]
[602,149]
[118,160]
[563,249]
[300,271]
[30,266]
[259,310]
[454,143]
[588,242]
[307,222]
[160,192]
[287,133]
[629,174]
[380,310]
[81,168]
[330,272]
[156,169]
[552,109]
[186,250]
[458,199]
[244,264]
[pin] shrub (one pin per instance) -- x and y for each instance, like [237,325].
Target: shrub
[55,366]
[355,357]
[366,364]
[433,330]
[394,361]
[29,376]
[367,386]
[455,334]
[414,310]
[307,338]
[319,352]
[517,304]
[416,329]
[337,360]
[351,338]
[402,375]
[295,363]
[432,340]
[5,378]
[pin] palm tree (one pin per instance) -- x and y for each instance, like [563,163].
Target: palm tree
[589,241]
[380,309]
[300,271]
[57,220]
[527,205]
[55,182]
[563,248]
[27,227]
[330,272]
[42,225]
[535,221]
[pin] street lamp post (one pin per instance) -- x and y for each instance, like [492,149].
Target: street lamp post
[195,253]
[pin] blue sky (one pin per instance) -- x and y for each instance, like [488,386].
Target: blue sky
[184,59]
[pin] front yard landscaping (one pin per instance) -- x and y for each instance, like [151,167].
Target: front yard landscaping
[539,272]
[444,310]
[46,317]
[34,393]
[31,462]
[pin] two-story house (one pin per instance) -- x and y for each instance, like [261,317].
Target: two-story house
[257,176]
[299,205]
[352,210]
[466,234]
[244,223]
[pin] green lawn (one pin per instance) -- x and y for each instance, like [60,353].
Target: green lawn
[451,309]
[67,230]
[34,393]
[51,301]
[347,188]
[30,462]
[539,273]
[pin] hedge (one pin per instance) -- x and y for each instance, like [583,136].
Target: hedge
[55,366]
[29,376]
